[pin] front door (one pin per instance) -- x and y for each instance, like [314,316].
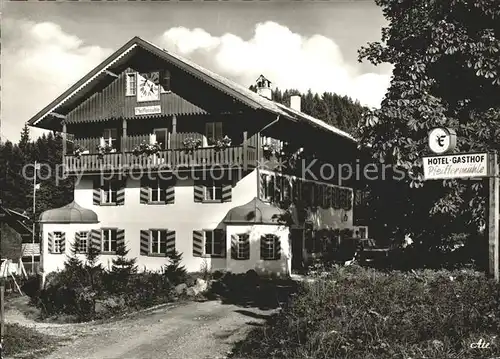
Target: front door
[297,241]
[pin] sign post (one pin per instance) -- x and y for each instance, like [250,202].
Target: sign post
[494,218]
[468,165]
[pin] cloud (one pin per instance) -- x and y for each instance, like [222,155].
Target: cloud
[39,62]
[288,59]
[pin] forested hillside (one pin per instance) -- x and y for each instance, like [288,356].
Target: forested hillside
[339,111]
[16,166]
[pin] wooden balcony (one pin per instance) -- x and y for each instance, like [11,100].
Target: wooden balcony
[244,157]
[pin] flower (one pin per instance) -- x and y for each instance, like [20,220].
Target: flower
[147,149]
[78,150]
[222,143]
[191,143]
[104,149]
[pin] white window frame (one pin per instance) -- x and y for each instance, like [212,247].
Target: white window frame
[107,134]
[271,247]
[83,236]
[166,145]
[238,245]
[159,232]
[131,90]
[56,244]
[212,187]
[110,231]
[160,188]
[212,246]
[214,130]
[111,187]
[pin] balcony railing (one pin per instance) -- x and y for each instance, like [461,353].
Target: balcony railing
[244,156]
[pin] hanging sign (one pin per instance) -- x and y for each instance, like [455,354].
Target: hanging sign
[147,110]
[442,140]
[456,166]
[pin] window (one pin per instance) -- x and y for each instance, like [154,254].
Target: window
[109,192]
[158,241]
[111,137]
[161,135]
[157,191]
[165,81]
[242,250]
[269,188]
[213,131]
[269,247]
[214,242]
[131,84]
[58,238]
[109,240]
[82,243]
[213,191]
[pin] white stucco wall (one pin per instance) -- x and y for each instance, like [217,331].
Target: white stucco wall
[183,217]
[54,262]
[279,267]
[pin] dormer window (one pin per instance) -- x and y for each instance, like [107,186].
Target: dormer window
[131,84]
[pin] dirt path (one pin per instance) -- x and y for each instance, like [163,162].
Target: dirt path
[189,331]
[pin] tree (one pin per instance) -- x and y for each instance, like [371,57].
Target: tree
[446,74]
[122,266]
[174,272]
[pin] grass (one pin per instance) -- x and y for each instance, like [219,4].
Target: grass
[365,314]
[26,343]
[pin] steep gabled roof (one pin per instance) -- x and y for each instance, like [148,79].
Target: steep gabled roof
[101,75]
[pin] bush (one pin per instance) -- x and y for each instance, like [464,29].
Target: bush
[18,339]
[361,313]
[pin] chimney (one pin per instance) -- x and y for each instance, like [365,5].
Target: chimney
[264,87]
[295,102]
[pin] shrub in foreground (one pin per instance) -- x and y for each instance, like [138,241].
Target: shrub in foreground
[18,339]
[361,313]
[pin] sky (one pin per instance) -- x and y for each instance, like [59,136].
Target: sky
[47,47]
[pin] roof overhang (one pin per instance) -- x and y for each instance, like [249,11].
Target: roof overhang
[101,76]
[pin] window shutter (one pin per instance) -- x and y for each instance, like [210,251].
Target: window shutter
[234,246]
[277,247]
[336,198]
[144,194]
[95,239]
[63,242]
[199,193]
[120,193]
[343,198]
[297,190]
[277,188]
[144,242]
[348,200]
[306,193]
[120,238]
[170,194]
[262,186]
[327,197]
[227,193]
[318,199]
[96,195]
[77,242]
[246,247]
[263,246]
[197,243]
[170,243]
[50,242]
